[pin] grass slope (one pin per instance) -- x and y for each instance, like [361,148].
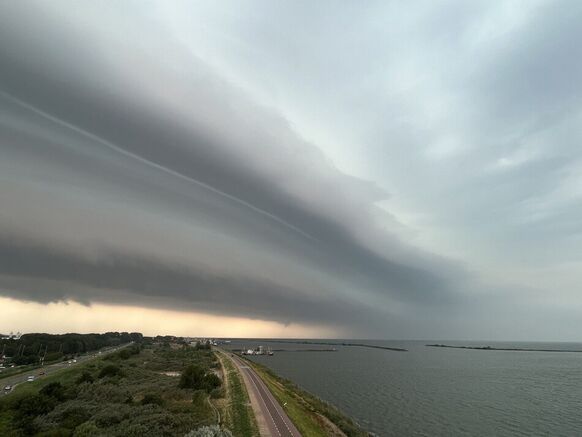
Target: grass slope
[239,415]
[312,416]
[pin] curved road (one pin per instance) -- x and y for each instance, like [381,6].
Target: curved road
[277,421]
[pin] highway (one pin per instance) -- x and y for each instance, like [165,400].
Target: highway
[20,378]
[277,421]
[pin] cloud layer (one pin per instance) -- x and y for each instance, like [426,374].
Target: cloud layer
[184,157]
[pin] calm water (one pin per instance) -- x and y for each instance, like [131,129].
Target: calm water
[443,392]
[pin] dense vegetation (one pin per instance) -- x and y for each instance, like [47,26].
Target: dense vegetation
[133,392]
[32,348]
[238,414]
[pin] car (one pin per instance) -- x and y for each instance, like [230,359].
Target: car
[70,362]
[41,373]
[30,378]
[8,388]
[74,361]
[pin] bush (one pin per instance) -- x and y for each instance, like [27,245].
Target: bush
[53,390]
[152,398]
[195,377]
[30,407]
[192,377]
[211,381]
[85,377]
[87,429]
[35,405]
[110,370]
[74,416]
[209,431]
[217,393]
[129,351]
[199,397]
[55,432]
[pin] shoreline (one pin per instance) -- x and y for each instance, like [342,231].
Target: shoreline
[324,343]
[305,405]
[489,348]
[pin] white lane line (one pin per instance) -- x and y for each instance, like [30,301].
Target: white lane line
[265,403]
[268,394]
[276,409]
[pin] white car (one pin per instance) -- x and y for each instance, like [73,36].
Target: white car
[30,378]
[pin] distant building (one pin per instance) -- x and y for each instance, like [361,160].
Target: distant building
[12,336]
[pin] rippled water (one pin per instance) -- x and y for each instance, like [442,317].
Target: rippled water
[443,392]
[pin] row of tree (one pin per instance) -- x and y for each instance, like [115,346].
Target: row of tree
[34,348]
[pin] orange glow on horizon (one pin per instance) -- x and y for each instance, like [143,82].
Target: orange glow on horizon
[61,317]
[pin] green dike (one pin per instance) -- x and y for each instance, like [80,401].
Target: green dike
[133,397]
[239,417]
[305,409]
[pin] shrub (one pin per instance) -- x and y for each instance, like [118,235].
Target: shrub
[127,352]
[199,397]
[35,405]
[211,381]
[192,377]
[53,390]
[110,370]
[55,432]
[110,416]
[28,408]
[195,377]
[87,429]
[152,398]
[209,431]
[217,393]
[85,377]
[74,416]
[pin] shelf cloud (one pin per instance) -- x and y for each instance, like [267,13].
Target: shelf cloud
[145,161]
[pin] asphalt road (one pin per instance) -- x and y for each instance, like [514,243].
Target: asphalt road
[14,380]
[277,420]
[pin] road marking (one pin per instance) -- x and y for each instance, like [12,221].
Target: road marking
[277,410]
[264,392]
[263,399]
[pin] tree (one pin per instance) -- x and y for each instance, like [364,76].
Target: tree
[211,381]
[192,377]
[196,377]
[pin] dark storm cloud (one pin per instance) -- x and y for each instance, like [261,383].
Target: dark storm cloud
[125,179]
[126,279]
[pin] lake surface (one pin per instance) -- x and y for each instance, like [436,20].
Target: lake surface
[439,391]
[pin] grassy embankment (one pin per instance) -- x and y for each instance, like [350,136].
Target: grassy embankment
[237,412]
[123,394]
[312,416]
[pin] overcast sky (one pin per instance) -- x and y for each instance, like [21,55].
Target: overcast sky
[350,169]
